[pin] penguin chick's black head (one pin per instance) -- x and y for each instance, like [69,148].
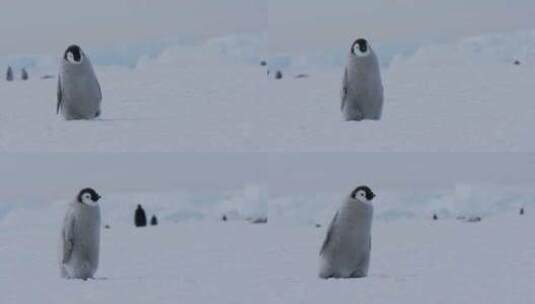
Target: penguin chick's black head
[362,44]
[75,51]
[94,195]
[367,192]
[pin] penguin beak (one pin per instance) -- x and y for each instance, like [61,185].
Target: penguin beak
[371,196]
[97,198]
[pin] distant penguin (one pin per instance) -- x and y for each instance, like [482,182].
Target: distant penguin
[153,221]
[521,211]
[346,249]
[258,220]
[140,219]
[362,87]
[278,75]
[517,62]
[80,237]
[263,63]
[79,94]
[9,74]
[24,74]
[435,217]
[224,218]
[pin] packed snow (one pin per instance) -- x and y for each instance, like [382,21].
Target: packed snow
[465,96]
[193,256]
[214,96]
[208,261]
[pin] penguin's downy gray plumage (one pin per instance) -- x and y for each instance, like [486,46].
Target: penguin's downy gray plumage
[24,74]
[9,74]
[79,94]
[80,237]
[362,87]
[345,252]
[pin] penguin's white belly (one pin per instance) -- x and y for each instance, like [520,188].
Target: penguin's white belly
[84,259]
[365,94]
[81,98]
[350,251]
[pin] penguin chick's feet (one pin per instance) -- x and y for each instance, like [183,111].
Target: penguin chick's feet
[358,117]
[355,114]
[357,274]
[326,274]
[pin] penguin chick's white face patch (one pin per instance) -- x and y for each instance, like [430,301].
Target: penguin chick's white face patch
[359,53]
[88,197]
[361,196]
[87,200]
[361,48]
[72,59]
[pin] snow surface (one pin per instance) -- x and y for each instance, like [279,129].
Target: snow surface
[194,257]
[214,96]
[188,98]
[413,261]
[467,96]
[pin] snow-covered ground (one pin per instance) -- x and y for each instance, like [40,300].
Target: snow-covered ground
[413,261]
[194,257]
[465,96]
[187,99]
[214,96]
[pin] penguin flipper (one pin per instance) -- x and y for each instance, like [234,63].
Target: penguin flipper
[60,96]
[99,91]
[329,236]
[68,240]
[344,90]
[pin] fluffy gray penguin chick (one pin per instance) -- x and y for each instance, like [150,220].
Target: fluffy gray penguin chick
[80,237]
[345,252]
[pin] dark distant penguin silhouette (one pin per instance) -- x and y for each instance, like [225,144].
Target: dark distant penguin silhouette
[435,217]
[521,211]
[79,94]
[140,219]
[153,221]
[224,218]
[9,74]
[24,75]
[362,87]
[278,75]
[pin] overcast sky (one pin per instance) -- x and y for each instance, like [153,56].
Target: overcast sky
[37,26]
[294,173]
[43,177]
[304,25]
[48,176]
